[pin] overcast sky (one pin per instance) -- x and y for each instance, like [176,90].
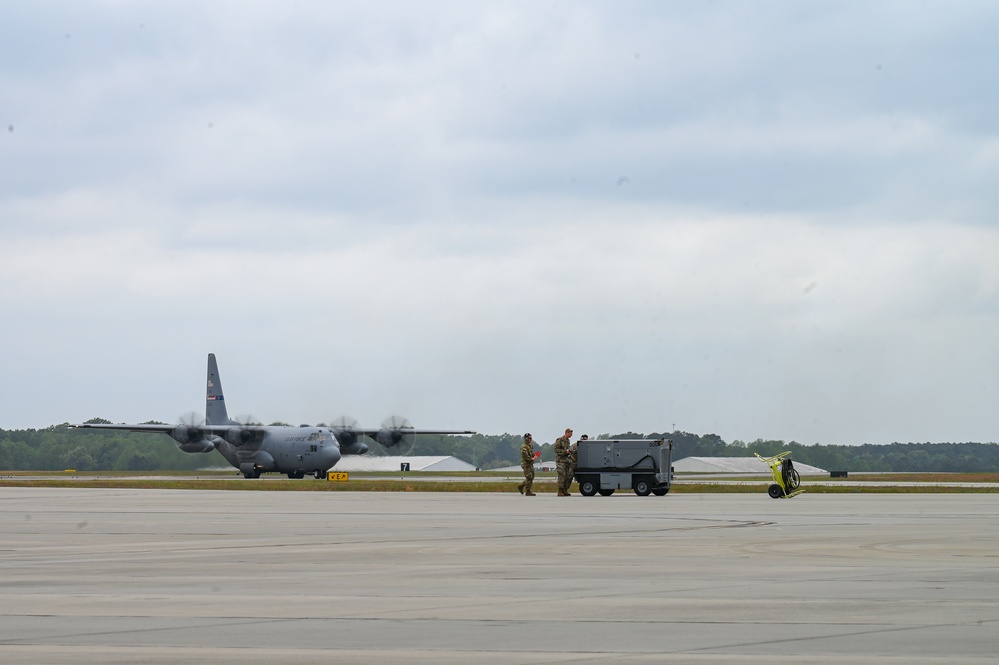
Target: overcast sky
[772,220]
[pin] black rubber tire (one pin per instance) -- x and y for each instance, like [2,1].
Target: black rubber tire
[606,492]
[642,487]
[587,486]
[775,491]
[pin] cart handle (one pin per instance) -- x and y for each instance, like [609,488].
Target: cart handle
[776,458]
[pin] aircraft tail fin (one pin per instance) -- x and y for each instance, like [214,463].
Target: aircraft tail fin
[215,412]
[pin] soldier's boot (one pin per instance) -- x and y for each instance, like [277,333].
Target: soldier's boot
[520,488]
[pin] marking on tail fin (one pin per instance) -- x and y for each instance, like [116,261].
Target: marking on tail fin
[215,411]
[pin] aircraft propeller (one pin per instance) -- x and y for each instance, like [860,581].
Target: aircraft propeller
[393,439]
[342,423]
[245,432]
[190,434]
[189,428]
[343,429]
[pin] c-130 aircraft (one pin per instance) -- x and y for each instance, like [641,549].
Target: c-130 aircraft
[256,449]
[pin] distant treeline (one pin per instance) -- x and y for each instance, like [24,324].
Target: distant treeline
[58,447]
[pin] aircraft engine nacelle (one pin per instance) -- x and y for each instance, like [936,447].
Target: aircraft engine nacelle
[355,448]
[241,436]
[192,439]
[349,445]
[203,446]
[188,434]
[390,438]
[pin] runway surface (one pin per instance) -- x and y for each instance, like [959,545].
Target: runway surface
[171,576]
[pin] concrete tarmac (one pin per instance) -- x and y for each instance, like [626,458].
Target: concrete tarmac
[172,576]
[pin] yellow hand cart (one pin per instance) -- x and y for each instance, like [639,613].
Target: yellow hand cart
[786,481]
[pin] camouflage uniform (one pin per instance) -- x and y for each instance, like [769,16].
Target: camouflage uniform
[527,464]
[574,460]
[563,465]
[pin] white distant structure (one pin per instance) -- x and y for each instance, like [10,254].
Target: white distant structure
[395,463]
[735,465]
[538,466]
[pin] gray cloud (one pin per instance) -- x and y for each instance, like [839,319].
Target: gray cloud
[416,209]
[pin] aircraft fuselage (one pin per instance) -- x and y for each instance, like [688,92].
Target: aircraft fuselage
[295,451]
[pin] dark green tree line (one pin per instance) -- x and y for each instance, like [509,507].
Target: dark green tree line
[59,447]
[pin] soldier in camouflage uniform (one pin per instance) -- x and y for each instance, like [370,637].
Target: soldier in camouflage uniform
[574,457]
[563,462]
[527,464]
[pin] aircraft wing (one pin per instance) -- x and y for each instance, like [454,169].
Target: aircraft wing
[165,429]
[199,436]
[349,435]
[211,430]
[366,431]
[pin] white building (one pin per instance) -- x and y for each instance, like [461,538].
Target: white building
[538,466]
[396,462]
[735,465]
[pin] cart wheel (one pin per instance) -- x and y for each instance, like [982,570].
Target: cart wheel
[660,491]
[642,487]
[775,491]
[587,487]
[606,492]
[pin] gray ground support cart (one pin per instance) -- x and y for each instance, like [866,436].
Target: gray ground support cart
[642,465]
